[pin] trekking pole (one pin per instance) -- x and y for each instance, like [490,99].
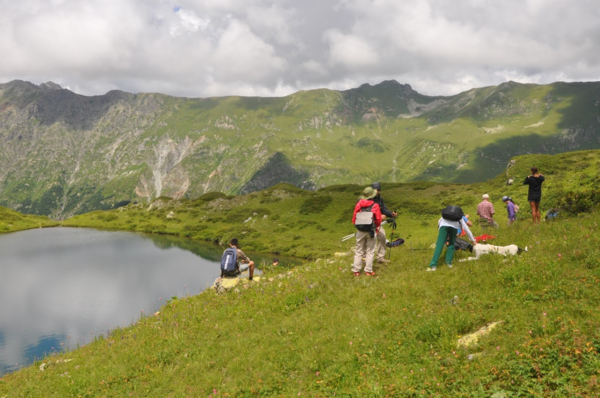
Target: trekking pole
[394,226]
[348,237]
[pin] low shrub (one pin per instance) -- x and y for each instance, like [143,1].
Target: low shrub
[210,196]
[575,202]
[347,188]
[315,204]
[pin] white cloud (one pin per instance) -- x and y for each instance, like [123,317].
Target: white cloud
[188,22]
[219,47]
[351,51]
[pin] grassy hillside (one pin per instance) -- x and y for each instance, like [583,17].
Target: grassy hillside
[11,221]
[291,221]
[319,331]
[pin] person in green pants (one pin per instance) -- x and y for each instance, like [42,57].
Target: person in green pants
[447,231]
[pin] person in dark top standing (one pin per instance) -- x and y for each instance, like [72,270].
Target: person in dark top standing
[381,234]
[534,197]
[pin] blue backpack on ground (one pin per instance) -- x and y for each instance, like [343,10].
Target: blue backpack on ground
[229,260]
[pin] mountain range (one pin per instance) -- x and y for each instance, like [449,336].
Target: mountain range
[65,153]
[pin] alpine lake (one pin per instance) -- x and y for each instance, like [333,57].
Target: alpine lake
[62,287]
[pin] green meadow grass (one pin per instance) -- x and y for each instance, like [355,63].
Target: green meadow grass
[318,331]
[11,221]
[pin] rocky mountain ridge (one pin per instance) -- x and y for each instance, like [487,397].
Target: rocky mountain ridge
[65,153]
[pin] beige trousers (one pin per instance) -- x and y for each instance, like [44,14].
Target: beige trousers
[365,247]
[381,244]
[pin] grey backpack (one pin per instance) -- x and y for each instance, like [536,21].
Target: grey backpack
[365,220]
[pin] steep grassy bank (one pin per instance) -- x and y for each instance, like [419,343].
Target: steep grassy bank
[319,331]
[11,221]
[291,221]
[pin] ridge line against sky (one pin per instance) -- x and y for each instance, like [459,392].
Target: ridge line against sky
[274,48]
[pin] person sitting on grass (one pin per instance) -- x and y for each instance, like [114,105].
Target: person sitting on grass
[447,232]
[275,262]
[243,262]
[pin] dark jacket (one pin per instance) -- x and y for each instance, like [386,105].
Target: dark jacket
[535,183]
[535,188]
[384,210]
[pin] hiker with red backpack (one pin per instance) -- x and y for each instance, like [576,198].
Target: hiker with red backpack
[367,220]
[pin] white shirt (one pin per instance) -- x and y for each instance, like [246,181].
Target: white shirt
[456,225]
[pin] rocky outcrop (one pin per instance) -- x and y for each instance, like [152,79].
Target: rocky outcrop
[473,338]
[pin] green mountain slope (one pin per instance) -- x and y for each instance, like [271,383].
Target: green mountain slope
[66,154]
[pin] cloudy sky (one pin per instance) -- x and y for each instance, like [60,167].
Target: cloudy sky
[276,47]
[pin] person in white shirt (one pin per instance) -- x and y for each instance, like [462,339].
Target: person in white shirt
[447,232]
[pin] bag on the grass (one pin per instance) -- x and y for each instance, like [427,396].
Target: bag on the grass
[461,244]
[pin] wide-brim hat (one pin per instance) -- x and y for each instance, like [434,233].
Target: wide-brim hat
[368,193]
[505,198]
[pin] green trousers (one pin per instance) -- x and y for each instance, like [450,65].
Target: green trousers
[443,234]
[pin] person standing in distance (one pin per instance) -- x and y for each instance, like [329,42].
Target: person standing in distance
[385,213]
[534,197]
[510,207]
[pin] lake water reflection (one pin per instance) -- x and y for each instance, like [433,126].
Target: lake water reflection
[60,287]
